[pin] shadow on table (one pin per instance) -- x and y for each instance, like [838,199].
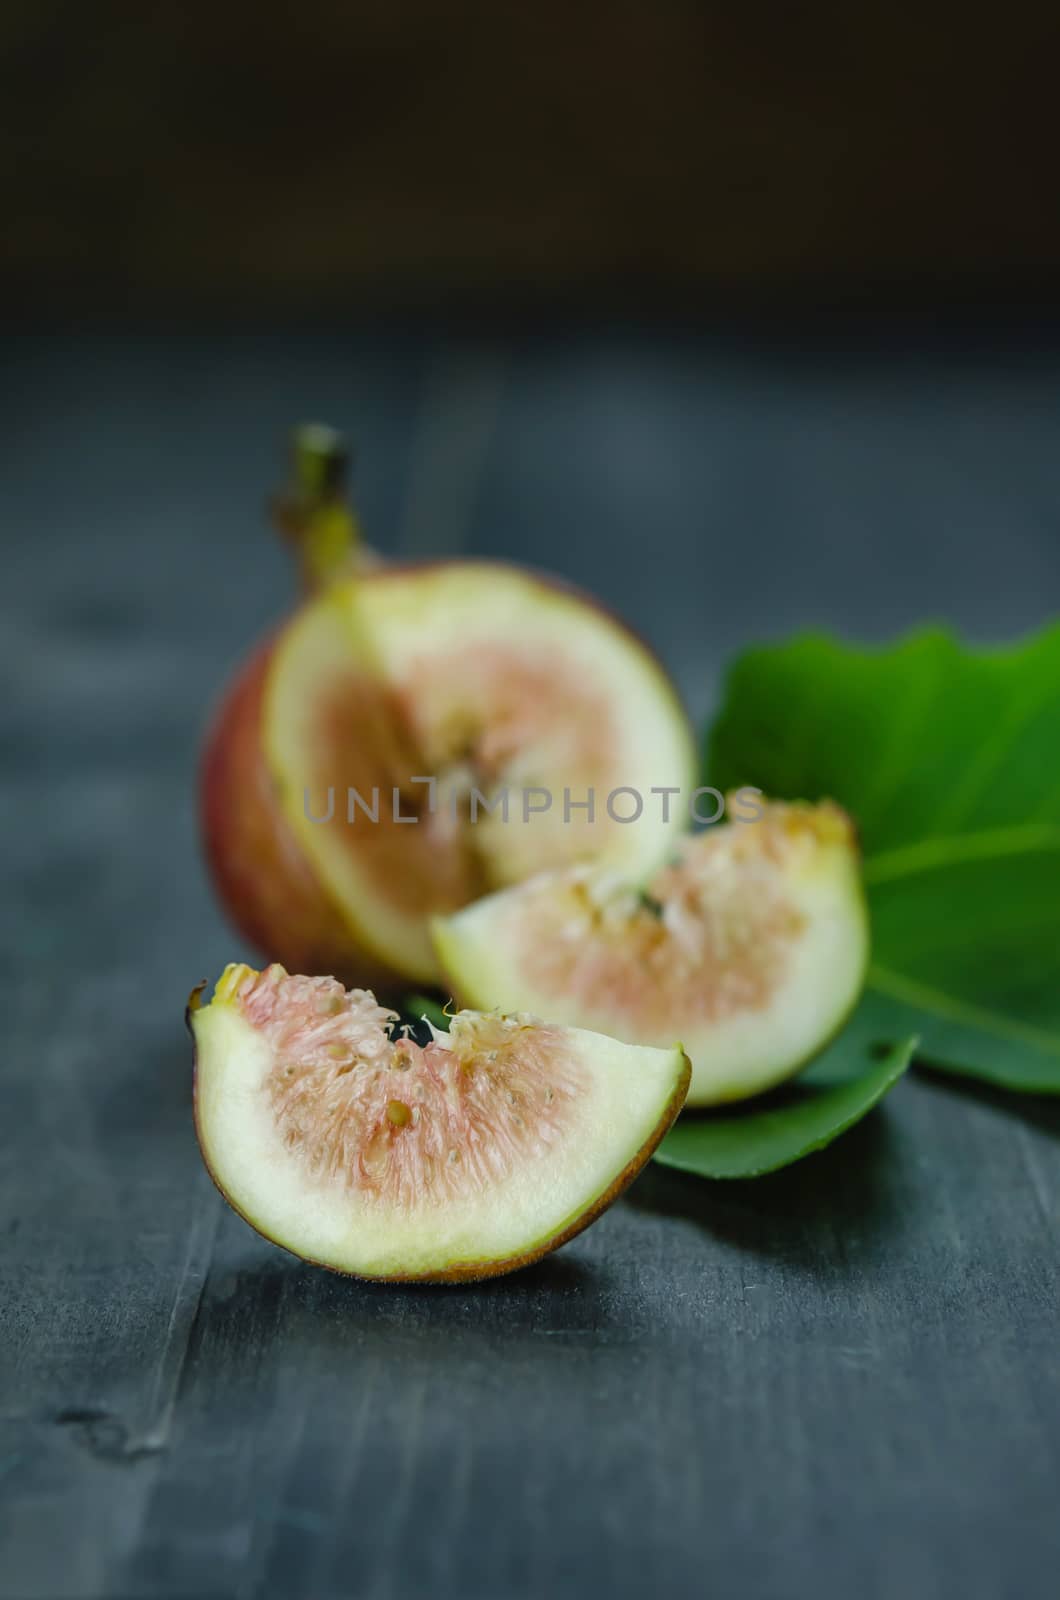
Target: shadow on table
[829,1211]
[1040,1111]
[555,1275]
[561,1287]
[831,1216]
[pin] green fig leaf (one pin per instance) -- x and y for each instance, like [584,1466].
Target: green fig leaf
[417,1007]
[949,761]
[759,1136]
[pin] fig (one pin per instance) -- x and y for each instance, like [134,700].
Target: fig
[750,945]
[417,737]
[337,1135]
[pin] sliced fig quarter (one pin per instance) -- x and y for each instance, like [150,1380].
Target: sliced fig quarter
[342,1139]
[750,945]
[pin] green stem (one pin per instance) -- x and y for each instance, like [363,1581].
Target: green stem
[313,513]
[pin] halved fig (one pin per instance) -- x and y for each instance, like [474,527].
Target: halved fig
[355,781]
[750,945]
[342,1139]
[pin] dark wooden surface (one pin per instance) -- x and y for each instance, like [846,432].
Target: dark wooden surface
[840,1381]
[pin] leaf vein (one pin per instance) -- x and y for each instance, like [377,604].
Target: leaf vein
[960,1011]
[953,849]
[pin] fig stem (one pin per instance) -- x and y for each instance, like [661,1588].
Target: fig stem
[314,514]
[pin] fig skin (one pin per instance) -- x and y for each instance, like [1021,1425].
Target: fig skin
[464,1271]
[268,888]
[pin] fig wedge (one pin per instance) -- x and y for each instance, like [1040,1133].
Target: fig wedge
[750,945]
[339,1137]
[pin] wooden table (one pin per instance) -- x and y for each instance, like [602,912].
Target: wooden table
[841,1381]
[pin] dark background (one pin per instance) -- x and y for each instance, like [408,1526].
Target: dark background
[744,318]
[247,157]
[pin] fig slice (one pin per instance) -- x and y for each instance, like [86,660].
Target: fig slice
[417,737]
[339,1137]
[751,945]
